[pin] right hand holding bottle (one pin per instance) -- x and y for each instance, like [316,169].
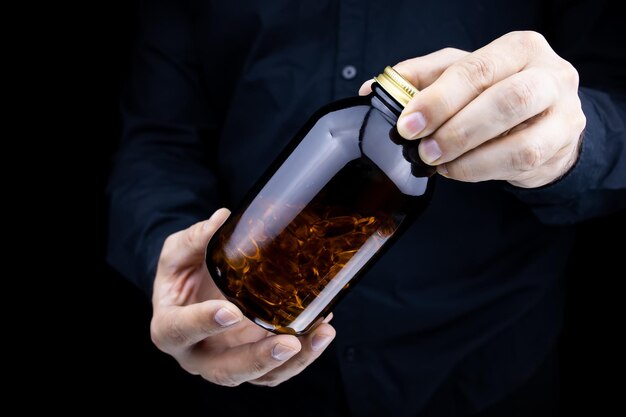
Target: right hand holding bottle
[208,335]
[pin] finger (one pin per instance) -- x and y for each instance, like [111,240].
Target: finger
[424,70]
[179,327]
[188,247]
[247,362]
[500,108]
[506,158]
[366,88]
[312,347]
[464,80]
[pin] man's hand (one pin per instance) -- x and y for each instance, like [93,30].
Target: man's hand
[208,335]
[508,111]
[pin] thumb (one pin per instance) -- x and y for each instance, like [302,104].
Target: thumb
[188,247]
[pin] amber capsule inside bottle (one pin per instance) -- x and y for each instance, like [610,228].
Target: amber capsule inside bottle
[341,192]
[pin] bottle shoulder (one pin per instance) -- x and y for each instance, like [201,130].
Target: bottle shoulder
[363,127]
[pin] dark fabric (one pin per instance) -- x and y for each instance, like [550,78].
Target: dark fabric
[470,295]
[538,396]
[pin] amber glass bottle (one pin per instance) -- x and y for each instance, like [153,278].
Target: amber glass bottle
[336,197]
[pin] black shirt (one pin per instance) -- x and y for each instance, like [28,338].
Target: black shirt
[471,292]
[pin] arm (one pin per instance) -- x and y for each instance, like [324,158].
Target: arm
[514,111]
[162,183]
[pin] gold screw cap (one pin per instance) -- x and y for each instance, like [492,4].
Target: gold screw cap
[396,86]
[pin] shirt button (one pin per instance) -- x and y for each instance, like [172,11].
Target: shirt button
[348,72]
[350,354]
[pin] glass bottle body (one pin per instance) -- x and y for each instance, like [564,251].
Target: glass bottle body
[335,198]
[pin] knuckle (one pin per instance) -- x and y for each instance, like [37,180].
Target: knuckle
[528,158]
[577,119]
[202,320]
[569,75]
[453,51]
[479,71]
[221,377]
[175,334]
[302,361]
[257,366]
[457,136]
[516,99]
[460,171]
[208,329]
[166,334]
[529,39]
[532,37]
[444,103]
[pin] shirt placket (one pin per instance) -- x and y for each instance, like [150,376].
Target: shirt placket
[351,33]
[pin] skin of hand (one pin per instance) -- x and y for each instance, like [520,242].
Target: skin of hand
[508,111]
[208,335]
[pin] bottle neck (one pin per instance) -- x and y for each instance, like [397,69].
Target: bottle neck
[390,109]
[384,102]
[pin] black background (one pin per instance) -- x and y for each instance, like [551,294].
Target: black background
[591,356]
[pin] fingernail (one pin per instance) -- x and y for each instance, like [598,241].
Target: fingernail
[429,150]
[282,352]
[320,341]
[224,317]
[412,124]
[442,169]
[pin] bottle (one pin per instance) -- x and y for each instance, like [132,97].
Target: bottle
[340,193]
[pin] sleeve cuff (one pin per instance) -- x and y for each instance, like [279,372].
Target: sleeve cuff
[585,172]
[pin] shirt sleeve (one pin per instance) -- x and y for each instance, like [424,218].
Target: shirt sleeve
[590,35]
[162,179]
[596,184]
